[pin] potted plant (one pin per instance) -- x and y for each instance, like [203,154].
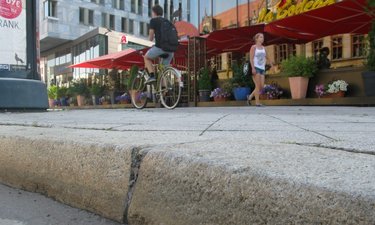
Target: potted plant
[96,91]
[271,91]
[62,95]
[123,99]
[241,83]
[52,95]
[204,85]
[105,100]
[72,101]
[220,95]
[369,75]
[299,69]
[80,89]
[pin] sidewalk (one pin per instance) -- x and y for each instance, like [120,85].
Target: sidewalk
[199,165]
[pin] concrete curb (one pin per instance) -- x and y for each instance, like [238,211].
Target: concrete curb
[196,183]
[86,176]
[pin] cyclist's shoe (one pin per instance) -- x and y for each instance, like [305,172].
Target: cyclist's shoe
[150,80]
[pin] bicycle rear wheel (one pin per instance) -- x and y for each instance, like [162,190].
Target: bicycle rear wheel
[138,92]
[170,87]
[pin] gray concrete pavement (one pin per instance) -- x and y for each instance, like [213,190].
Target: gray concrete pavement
[19,207]
[321,159]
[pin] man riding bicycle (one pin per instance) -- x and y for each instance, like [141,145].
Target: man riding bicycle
[166,41]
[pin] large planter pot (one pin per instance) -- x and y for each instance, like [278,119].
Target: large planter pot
[80,100]
[241,93]
[339,94]
[95,100]
[220,99]
[369,82]
[204,95]
[51,102]
[298,87]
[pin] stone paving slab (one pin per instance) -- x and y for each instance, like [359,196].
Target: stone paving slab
[319,159]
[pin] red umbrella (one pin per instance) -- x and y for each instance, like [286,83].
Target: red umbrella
[348,16]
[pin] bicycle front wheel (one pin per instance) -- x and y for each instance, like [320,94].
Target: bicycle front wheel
[138,92]
[170,87]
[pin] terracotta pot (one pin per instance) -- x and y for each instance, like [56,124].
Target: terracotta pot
[105,103]
[80,100]
[220,99]
[339,94]
[298,87]
[51,103]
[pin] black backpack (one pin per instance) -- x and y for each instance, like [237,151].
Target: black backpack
[169,37]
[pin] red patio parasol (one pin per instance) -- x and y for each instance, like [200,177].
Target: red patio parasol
[348,16]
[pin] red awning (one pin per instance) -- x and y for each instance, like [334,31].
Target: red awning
[126,59]
[348,16]
[241,39]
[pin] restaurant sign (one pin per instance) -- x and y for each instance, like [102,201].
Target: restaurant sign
[286,8]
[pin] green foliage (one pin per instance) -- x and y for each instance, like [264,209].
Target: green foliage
[371,3]
[133,74]
[80,87]
[239,79]
[52,92]
[96,90]
[204,81]
[62,92]
[299,66]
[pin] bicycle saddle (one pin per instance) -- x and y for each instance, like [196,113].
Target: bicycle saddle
[164,56]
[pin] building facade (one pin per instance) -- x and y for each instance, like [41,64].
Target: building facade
[72,31]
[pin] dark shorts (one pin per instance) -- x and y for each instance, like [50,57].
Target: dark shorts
[260,71]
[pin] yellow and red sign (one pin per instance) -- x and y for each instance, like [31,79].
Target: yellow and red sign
[286,8]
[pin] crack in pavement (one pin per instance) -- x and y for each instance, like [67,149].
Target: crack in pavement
[204,131]
[350,150]
[302,128]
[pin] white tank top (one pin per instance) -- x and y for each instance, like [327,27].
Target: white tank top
[260,58]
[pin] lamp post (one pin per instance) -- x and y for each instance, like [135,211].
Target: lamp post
[20,84]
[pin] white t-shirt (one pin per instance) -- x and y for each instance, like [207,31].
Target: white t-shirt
[260,58]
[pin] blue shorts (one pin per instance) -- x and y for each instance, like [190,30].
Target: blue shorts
[155,52]
[260,71]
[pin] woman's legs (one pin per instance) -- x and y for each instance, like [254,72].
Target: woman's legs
[256,92]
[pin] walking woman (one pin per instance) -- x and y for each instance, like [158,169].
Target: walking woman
[258,59]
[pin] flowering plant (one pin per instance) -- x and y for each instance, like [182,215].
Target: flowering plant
[336,86]
[123,98]
[141,96]
[219,93]
[272,91]
[104,99]
[320,90]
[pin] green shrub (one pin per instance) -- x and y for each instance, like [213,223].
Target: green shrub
[299,66]
[96,90]
[133,73]
[80,87]
[371,50]
[62,92]
[52,92]
[204,80]
[239,79]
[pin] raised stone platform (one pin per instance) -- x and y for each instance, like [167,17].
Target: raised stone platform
[272,165]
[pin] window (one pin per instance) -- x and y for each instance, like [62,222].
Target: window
[122,4]
[229,57]
[142,28]
[140,7]
[148,29]
[86,16]
[149,7]
[50,8]
[358,46]
[316,46]
[111,22]
[82,15]
[337,48]
[132,6]
[94,1]
[283,52]
[123,24]
[114,4]
[102,2]
[219,64]
[91,17]
[104,19]
[131,26]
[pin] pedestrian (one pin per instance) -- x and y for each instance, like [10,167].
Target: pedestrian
[258,60]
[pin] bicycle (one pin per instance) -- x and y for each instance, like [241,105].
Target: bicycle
[167,90]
